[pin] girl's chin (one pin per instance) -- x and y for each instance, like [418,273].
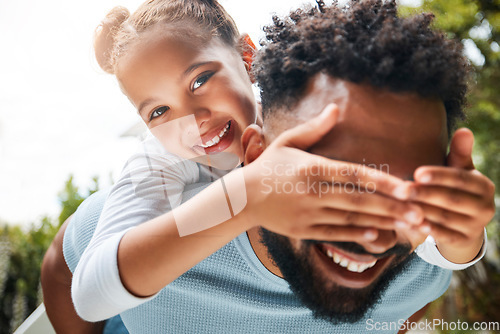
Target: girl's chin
[221,160]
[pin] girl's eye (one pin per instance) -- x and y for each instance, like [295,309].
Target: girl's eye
[158,112]
[201,80]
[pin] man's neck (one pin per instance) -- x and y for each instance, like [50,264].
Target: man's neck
[261,251]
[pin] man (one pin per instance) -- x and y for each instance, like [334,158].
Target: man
[397,106]
[350,58]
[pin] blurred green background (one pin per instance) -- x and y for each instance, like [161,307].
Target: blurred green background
[474,294]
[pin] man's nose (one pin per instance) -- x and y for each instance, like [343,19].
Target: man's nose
[386,239]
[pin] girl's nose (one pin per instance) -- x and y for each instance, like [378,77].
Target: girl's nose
[202,116]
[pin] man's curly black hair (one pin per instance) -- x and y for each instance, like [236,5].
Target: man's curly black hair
[362,42]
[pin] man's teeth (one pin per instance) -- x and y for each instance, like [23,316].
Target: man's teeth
[357,267]
[215,140]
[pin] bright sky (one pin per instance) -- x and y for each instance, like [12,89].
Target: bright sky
[59,113]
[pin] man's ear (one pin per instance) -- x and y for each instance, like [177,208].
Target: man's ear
[253,143]
[247,51]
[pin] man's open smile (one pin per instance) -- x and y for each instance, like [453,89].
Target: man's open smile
[322,273]
[348,269]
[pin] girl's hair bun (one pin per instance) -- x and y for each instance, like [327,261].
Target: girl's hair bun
[104,38]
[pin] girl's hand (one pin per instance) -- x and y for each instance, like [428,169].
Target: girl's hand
[301,195]
[458,201]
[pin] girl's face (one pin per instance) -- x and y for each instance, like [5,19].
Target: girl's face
[196,98]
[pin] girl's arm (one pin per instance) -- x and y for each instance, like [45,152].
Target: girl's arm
[151,183]
[121,270]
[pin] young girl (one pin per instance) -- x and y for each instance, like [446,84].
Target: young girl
[180,63]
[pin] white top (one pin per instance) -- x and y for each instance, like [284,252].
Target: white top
[429,252]
[152,183]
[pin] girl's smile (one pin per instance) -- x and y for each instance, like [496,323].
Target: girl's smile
[194,95]
[217,141]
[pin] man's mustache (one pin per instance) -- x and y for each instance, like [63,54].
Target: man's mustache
[355,248]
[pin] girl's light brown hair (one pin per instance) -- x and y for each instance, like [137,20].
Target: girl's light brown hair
[119,29]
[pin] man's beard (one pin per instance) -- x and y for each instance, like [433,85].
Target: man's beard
[326,299]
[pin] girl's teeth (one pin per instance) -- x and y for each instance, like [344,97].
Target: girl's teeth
[215,140]
[223,131]
[357,267]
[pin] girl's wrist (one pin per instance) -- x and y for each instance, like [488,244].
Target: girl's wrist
[252,196]
[239,191]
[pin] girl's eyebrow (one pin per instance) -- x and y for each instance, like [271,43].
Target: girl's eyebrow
[144,104]
[193,67]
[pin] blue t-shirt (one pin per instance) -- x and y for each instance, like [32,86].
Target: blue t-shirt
[76,238]
[232,292]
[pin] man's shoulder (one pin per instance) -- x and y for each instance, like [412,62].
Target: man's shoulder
[81,227]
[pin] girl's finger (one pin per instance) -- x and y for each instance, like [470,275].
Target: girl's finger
[345,218]
[451,199]
[343,198]
[319,170]
[460,155]
[471,181]
[327,232]
[307,134]
[449,219]
[446,235]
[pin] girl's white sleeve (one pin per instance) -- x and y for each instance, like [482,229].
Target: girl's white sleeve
[429,252]
[151,184]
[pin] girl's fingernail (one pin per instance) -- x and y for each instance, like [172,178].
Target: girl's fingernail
[370,235]
[401,224]
[401,192]
[425,228]
[426,178]
[412,217]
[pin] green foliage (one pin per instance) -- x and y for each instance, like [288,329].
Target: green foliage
[70,198]
[478,23]
[473,295]
[21,270]
[21,254]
